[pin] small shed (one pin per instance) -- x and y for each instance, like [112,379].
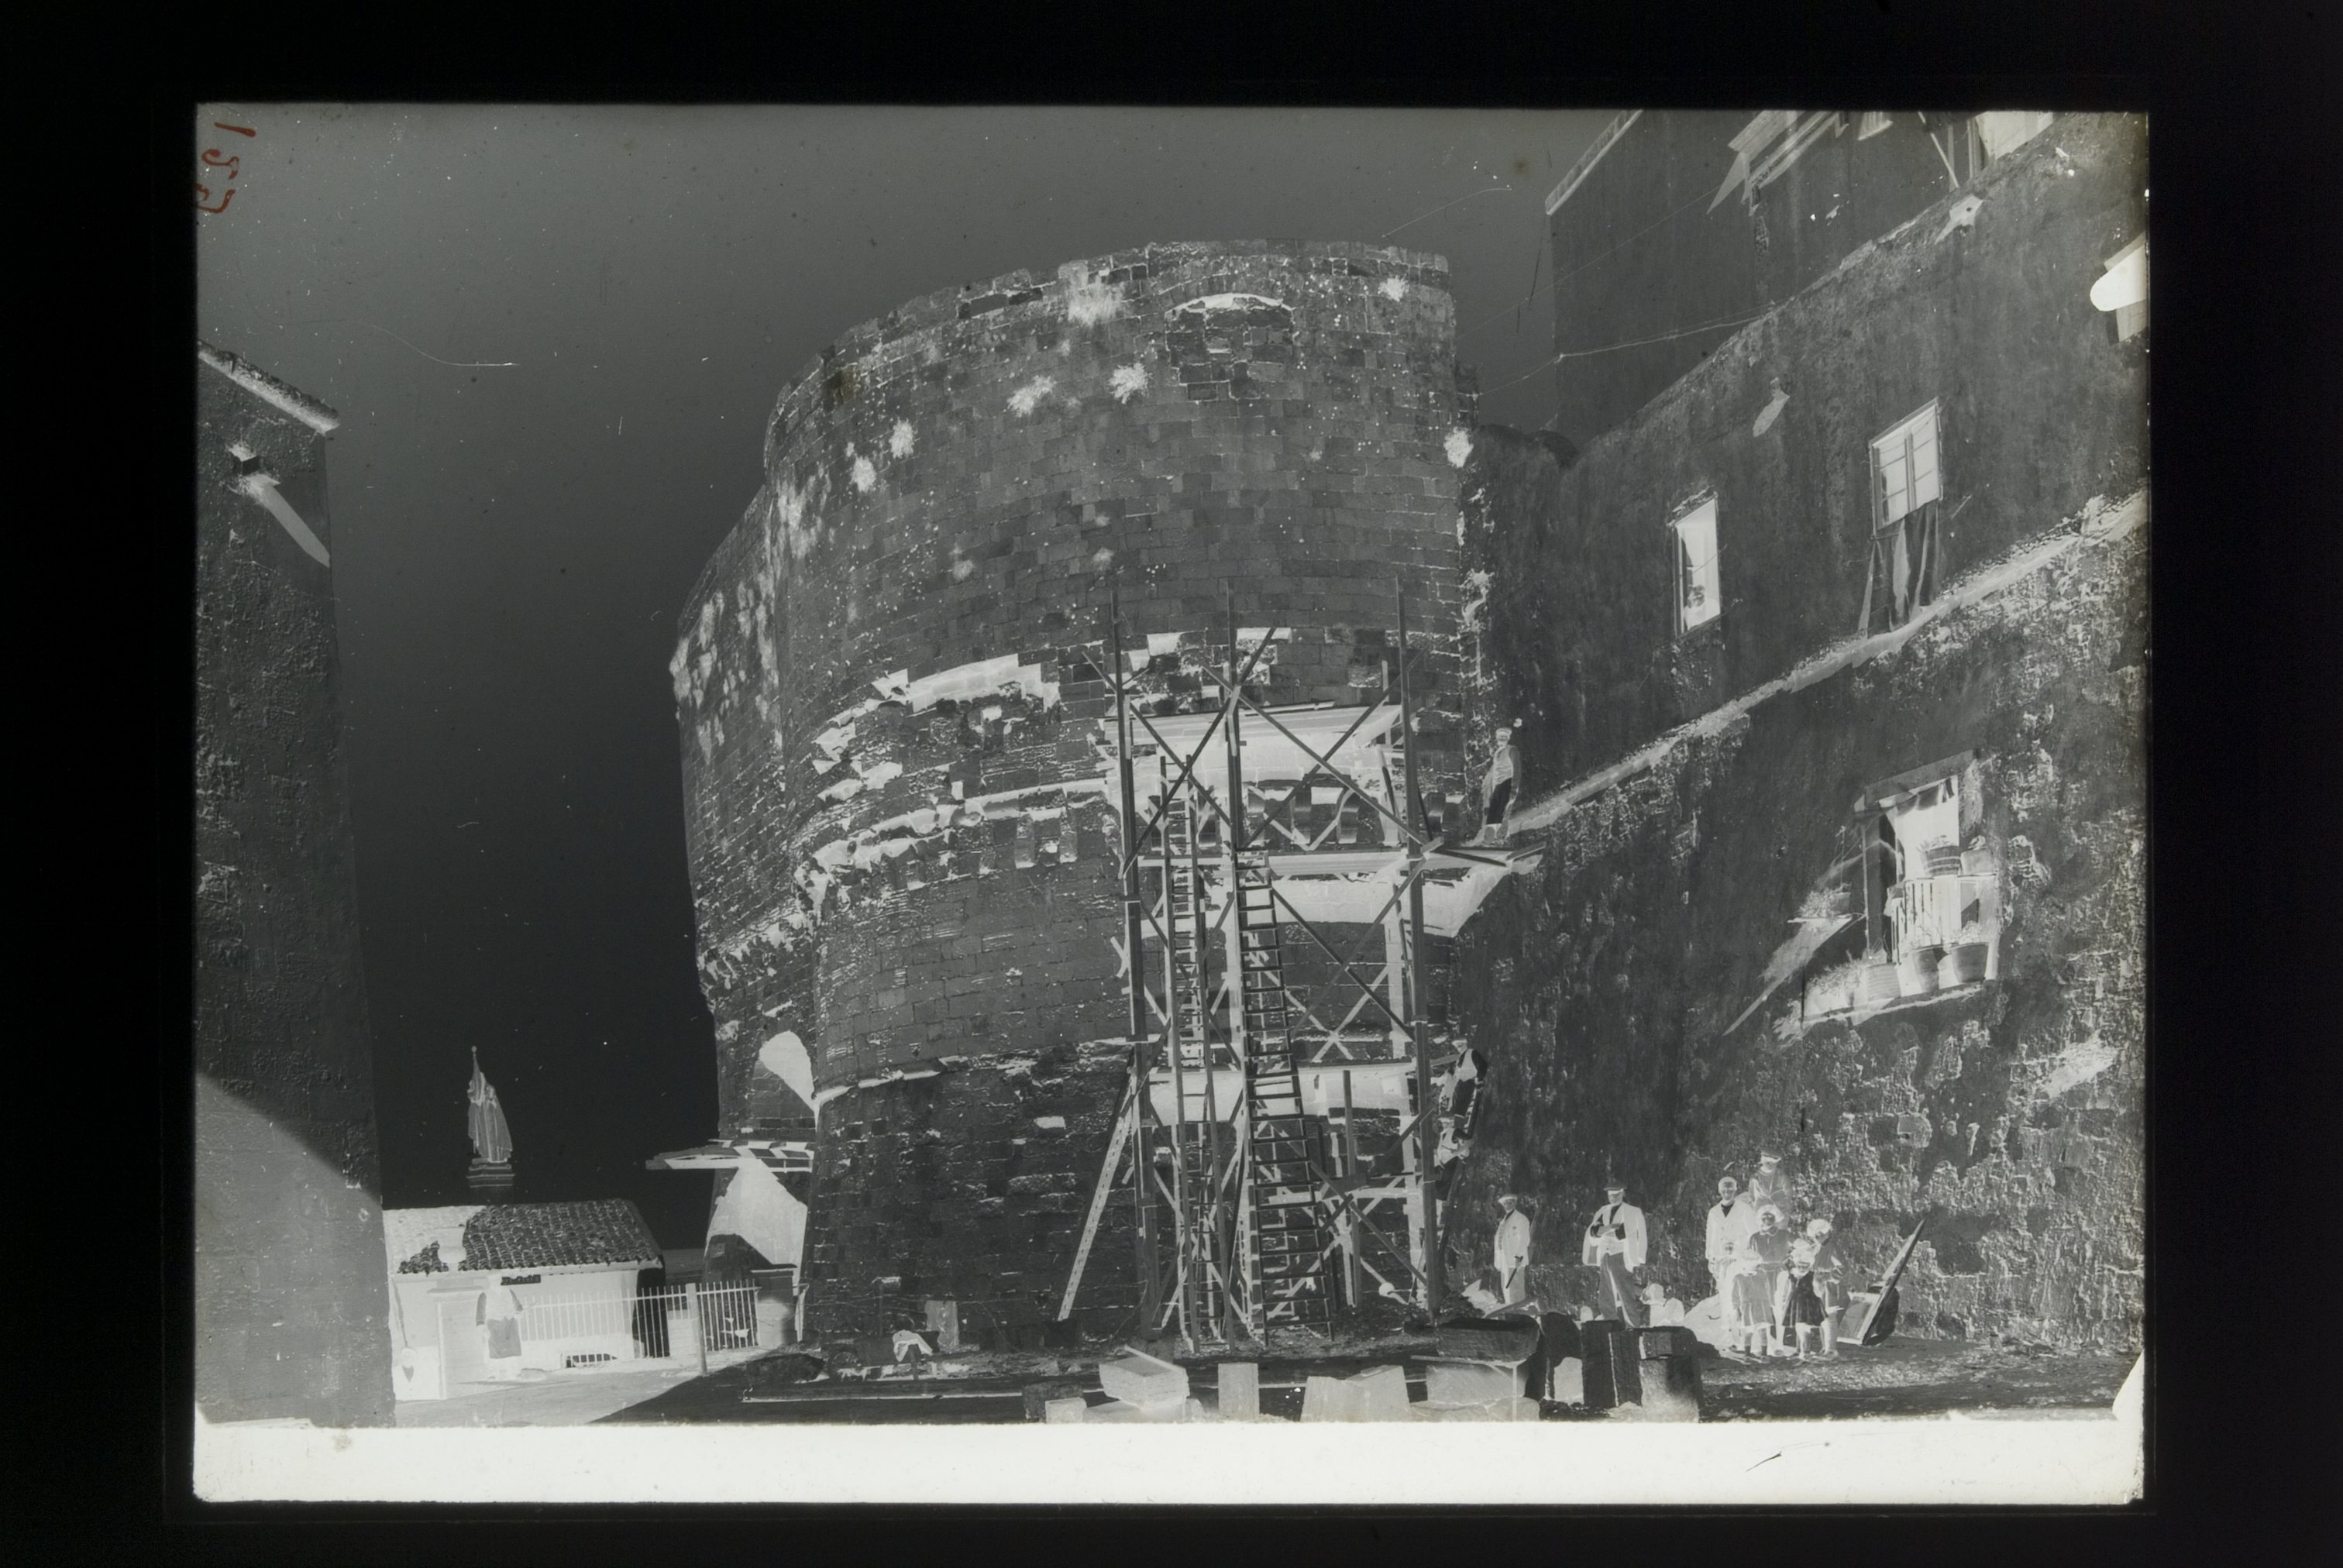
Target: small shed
[482,1293]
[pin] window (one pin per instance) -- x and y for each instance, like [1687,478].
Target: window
[1930,901]
[1907,483]
[1904,459]
[1693,535]
[1929,880]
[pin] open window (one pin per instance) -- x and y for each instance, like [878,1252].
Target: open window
[1930,886]
[1693,537]
[1929,898]
[1906,495]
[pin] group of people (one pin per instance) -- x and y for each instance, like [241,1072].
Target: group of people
[1779,1288]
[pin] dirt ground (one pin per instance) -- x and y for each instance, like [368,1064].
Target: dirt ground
[1902,1378]
[1910,1377]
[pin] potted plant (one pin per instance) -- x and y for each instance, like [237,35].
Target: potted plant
[1918,974]
[1964,961]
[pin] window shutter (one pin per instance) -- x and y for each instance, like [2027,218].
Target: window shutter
[1925,488]
[1874,883]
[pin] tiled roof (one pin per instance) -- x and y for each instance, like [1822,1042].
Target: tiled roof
[559,1235]
[408,1232]
[511,1236]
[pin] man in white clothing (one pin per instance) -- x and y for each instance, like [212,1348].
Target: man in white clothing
[1614,1244]
[1499,791]
[1512,1251]
[1731,1222]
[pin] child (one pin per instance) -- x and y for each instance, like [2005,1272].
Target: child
[1829,1282]
[1754,1282]
[1799,1311]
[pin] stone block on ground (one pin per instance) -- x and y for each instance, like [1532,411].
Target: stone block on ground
[1119,1409]
[1489,1339]
[1137,1378]
[1333,1399]
[1039,1395]
[1513,1407]
[1383,1392]
[1059,1411]
[1569,1382]
[1447,1382]
[1612,1374]
[1670,1387]
[1240,1391]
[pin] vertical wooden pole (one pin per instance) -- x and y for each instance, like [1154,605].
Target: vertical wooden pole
[1427,1128]
[1350,1169]
[699,1323]
[1146,1262]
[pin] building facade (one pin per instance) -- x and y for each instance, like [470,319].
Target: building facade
[1833,657]
[896,753]
[1677,227]
[289,1301]
[487,1293]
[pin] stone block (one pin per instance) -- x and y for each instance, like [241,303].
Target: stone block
[1613,1369]
[1513,1407]
[1137,1378]
[1469,1383]
[1653,1344]
[1671,1388]
[1058,1411]
[1333,1399]
[1040,1396]
[1177,1410]
[1383,1392]
[1569,1382]
[1489,1339]
[1240,1391]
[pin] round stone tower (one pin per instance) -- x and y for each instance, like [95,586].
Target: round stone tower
[899,784]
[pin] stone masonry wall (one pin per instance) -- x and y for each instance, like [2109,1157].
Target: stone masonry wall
[1647,998]
[291,1307]
[898,796]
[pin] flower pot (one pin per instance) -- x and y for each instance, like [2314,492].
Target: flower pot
[1917,975]
[1877,985]
[1963,964]
[1943,860]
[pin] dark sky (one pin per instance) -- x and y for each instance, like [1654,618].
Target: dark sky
[512,542]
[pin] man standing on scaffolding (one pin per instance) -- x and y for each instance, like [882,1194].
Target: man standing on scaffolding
[1503,769]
